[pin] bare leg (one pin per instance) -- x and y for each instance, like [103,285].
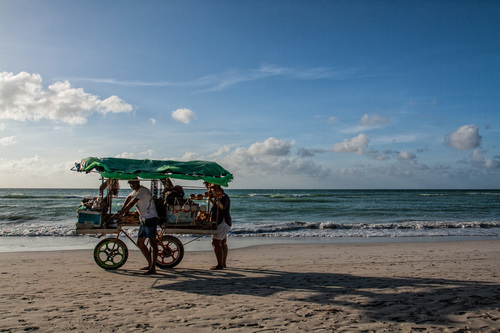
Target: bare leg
[153,255]
[144,249]
[224,252]
[216,244]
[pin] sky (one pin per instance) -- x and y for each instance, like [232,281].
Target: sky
[283,94]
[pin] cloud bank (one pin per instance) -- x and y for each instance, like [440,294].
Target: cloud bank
[269,159]
[23,98]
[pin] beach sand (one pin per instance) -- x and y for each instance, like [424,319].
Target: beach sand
[395,287]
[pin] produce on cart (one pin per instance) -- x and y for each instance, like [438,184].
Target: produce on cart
[177,213]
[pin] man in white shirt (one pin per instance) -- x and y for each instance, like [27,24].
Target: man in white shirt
[142,199]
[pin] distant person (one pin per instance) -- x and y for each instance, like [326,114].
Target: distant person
[220,213]
[176,192]
[141,197]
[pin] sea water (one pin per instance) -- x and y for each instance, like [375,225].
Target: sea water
[44,219]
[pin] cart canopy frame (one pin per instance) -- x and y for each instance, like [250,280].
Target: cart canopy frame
[125,169]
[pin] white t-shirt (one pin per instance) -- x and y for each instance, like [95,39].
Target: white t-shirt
[145,205]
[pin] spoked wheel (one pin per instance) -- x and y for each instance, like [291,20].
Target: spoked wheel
[170,252]
[111,253]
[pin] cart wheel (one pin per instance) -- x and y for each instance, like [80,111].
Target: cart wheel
[110,253]
[170,252]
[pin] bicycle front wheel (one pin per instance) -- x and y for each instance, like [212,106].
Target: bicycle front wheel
[111,253]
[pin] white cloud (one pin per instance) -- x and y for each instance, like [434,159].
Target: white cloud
[8,141]
[2,127]
[153,121]
[190,156]
[125,155]
[406,156]
[23,98]
[242,162]
[183,115]
[220,152]
[148,153]
[271,146]
[373,120]
[264,161]
[479,161]
[402,156]
[142,154]
[465,137]
[490,163]
[354,145]
[38,172]
[366,123]
[27,165]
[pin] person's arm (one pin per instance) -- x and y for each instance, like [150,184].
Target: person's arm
[220,202]
[224,201]
[129,203]
[215,201]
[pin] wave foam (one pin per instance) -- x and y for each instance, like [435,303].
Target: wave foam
[301,229]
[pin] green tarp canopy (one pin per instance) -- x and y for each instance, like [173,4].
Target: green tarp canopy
[124,168]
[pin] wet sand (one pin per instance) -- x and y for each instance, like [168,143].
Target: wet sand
[394,287]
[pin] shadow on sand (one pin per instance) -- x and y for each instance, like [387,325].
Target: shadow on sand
[417,300]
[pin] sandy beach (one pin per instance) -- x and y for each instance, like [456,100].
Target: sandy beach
[396,287]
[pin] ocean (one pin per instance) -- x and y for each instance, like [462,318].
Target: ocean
[44,219]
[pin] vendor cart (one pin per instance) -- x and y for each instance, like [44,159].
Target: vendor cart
[177,213]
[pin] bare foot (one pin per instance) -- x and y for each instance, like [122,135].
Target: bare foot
[149,272]
[216,267]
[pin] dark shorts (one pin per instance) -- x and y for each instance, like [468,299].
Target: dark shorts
[148,229]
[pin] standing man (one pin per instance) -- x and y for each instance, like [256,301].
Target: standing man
[221,206]
[141,197]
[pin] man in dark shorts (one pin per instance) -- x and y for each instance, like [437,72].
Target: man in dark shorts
[142,199]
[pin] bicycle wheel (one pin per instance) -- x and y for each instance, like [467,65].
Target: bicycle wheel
[110,253]
[170,252]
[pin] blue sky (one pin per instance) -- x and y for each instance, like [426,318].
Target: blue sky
[284,94]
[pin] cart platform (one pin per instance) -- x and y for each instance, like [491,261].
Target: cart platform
[95,231]
[167,229]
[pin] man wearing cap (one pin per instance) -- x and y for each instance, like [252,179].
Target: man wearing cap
[142,199]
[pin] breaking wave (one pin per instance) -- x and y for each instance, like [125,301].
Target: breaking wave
[302,229]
